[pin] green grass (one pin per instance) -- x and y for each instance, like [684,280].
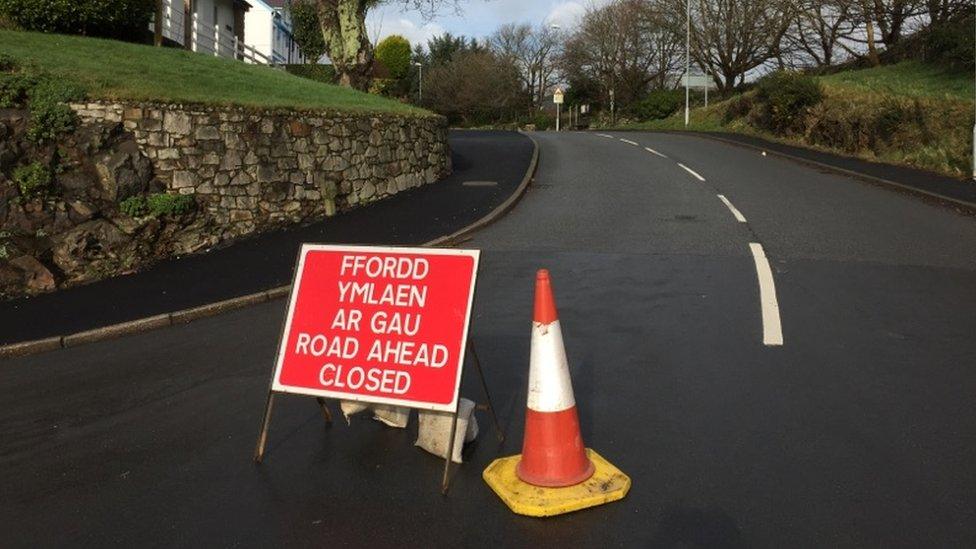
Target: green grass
[108,69]
[909,79]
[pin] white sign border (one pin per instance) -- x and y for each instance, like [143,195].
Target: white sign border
[278,387]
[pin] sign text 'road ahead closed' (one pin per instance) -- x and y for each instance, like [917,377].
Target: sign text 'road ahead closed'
[385,325]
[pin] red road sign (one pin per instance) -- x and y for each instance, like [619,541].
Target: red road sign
[384,325]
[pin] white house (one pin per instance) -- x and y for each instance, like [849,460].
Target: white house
[268,30]
[211,27]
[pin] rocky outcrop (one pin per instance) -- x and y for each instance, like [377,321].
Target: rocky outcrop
[70,229]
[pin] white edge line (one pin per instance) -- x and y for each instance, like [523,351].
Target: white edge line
[692,172]
[629,142]
[652,151]
[772,326]
[738,215]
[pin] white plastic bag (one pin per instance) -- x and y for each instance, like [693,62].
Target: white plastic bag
[434,432]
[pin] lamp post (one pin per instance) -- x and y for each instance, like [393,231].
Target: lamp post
[688,66]
[420,82]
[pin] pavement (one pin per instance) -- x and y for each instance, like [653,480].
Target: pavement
[267,260]
[855,431]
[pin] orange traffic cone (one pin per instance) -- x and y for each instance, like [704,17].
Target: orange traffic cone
[553,453]
[555,473]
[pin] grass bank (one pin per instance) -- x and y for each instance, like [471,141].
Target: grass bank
[108,69]
[909,113]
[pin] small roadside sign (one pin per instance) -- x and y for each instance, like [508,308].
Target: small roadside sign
[557,96]
[378,324]
[698,81]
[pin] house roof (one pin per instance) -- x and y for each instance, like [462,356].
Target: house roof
[276,3]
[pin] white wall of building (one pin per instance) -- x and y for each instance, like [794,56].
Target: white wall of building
[257,28]
[268,30]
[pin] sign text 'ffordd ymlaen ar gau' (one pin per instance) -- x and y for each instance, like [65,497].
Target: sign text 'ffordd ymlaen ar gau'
[385,325]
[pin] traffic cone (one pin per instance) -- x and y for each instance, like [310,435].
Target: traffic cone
[555,473]
[553,453]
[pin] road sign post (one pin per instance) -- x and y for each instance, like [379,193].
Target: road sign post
[557,98]
[376,325]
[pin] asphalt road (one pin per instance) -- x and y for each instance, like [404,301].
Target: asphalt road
[856,431]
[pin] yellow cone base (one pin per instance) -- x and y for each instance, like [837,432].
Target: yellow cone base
[607,484]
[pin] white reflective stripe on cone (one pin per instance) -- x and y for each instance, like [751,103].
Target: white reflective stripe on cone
[550,389]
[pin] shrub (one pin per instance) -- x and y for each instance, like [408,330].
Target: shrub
[50,116]
[320,73]
[7,63]
[951,44]
[157,205]
[383,86]
[307,30]
[784,98]
[657,105]
[32,180]
[134,206]
[542,121]
[160,204]
[122,19]
[15,87]
[737,107]
[394,54]
[475,88]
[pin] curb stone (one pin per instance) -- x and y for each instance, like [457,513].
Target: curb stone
[202,311]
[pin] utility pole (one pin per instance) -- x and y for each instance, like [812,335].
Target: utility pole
[158,24]
[613,113]
[688,67]
[708,84]
[420,83]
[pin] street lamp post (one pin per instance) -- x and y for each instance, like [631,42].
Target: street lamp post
[688,66]
[420,82]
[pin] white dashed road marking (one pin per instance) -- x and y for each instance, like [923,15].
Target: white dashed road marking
[772,327]
[738,215]
[629,142]
[652,151]
[692,172]
[605,135]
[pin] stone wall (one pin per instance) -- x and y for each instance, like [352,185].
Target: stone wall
[253,169]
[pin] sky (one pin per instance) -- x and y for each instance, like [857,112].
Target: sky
[477,18]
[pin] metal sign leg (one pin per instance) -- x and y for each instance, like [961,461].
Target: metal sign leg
[445,483]
[484,385]
[326,413]
[263,436]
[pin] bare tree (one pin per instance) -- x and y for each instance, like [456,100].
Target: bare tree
[627,46]
[533,51]
[891,17]
[730,38]
[819,30]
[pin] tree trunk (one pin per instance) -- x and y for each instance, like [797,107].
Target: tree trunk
[344,29]
[872,47]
